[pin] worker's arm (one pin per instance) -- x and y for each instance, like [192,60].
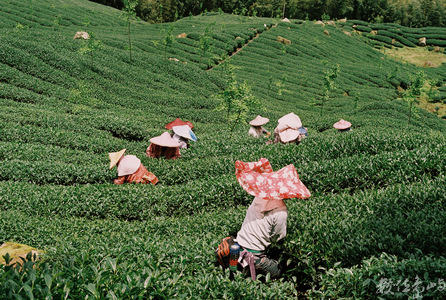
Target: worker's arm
[278,231]
[119,180]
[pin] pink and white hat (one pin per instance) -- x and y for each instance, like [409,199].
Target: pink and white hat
[289,135]
[259,180]
[164,140]
[128,165]
[290,120]
[259,121]
[342,124]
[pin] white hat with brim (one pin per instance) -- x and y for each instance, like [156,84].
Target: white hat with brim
[184,131]
[342,124]
[115,157]
[165,140]
[259,121]
[291,120]
[129,164]
[288,135]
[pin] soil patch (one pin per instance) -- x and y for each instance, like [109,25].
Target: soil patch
[417,56]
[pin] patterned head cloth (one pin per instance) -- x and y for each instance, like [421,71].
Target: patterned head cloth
[259,180]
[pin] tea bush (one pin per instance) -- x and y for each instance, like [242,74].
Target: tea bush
[376,189]
[404,35]
[416,277]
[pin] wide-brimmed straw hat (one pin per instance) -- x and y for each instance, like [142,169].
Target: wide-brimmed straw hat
[115,157]
[165,140]
[259,180]
[342,124]
[129,164]
[259,121]
[178,122]
[185,131]
[291,120]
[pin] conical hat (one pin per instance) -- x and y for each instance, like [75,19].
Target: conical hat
[178,122]
[288,135]
[128,165]
[291,120]
[114,157]
[165,140]
[259,180]
[342,124]
[259,121]
[184,131]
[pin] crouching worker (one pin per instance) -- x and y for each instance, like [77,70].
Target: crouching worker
[163,146]
[130,169]
[266,218]
[256,129]
[342,125]
[182,135]
[289,130]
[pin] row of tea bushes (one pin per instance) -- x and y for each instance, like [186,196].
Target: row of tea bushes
[184,184]
[149,241]
[386,276]
[326,232]
[155,259]
[403,35]
[49,14]
[208,157]
[298,56]
[127,202]
[341,230]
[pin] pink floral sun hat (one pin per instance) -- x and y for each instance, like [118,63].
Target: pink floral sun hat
[259,180]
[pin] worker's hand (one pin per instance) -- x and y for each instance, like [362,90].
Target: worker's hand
[150,178]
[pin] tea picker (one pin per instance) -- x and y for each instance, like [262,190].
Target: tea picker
[183,134]
[163,146]
[266,217]
[256,130]
[289,130]
[130,169]
[342,126]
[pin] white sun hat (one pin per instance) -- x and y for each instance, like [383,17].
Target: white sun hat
[164,140]
[291,120]
[184,131]
[342,124]
[128,165]
[289,135]
[259,121]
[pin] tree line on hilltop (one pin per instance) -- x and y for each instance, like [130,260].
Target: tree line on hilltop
[410,13]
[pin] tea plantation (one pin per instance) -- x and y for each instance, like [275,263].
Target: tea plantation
[375,225]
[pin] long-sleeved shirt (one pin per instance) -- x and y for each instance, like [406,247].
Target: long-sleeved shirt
[140,176]
[157,151]
[260,230]
[257,131]
[181,140]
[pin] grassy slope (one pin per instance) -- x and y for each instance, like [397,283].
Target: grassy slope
[60,117]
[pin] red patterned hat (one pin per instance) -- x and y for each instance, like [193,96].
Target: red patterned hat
[259,180]
[179,122]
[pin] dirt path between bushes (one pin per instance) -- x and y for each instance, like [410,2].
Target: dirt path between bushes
[239,49]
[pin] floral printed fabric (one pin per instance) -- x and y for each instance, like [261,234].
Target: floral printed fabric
[140,176]
[259,180]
